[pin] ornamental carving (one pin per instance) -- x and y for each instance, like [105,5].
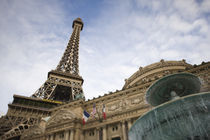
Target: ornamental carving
[33,132]
[61,116]
[113,107]
[124,104]
[136,100]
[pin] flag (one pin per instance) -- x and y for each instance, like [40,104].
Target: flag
[94,110]
[104,112]
[86,115]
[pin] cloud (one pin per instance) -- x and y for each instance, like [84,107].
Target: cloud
[130,34]
[31,44]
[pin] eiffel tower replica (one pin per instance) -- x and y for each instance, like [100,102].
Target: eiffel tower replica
[64,84]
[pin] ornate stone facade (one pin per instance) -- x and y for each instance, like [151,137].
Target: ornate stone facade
[60,119]
[123,107]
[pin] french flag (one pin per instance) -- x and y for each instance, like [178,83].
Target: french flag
[85,117]
[104,112]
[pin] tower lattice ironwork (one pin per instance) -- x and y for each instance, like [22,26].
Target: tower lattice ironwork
[64,83]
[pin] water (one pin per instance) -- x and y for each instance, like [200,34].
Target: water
[186,118]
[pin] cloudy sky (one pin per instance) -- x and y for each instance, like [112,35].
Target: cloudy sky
[118,37]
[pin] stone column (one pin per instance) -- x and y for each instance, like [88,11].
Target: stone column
[129,124]
[57,137]
[82,136]
[123,130]
[104,133]
[77,134]
[51,137]
[97,133]
[72,135]
[66,135]
[47,137]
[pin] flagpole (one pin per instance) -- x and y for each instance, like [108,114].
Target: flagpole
[99,115]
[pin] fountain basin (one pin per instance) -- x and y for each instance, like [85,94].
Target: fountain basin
[181,83]
[186,118]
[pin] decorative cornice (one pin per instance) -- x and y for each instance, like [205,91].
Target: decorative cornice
[154,66]
[196,68]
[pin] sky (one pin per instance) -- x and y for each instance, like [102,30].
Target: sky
[118,37]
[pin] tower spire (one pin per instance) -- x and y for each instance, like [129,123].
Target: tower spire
[64,83]
[70,62]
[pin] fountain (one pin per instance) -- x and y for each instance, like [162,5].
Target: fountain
[180,111]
